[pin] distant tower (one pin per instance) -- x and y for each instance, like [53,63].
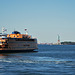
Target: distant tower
[59,43]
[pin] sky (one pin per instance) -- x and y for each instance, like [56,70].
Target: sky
[44,19]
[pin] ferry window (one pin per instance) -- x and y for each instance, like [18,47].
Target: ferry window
[3,42]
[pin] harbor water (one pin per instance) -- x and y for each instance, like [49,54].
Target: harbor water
[49,60]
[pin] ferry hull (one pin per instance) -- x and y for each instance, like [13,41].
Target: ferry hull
[16,51]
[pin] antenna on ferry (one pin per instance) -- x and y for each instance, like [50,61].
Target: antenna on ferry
[26,31]
[14,29]
[2,30]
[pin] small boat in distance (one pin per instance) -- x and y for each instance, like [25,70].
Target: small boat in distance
[17,42]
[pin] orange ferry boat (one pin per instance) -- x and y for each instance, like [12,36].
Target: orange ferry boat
[17,42]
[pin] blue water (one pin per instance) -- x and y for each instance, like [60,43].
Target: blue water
[49,60]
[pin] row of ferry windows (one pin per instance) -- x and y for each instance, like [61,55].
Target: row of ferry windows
[23,39]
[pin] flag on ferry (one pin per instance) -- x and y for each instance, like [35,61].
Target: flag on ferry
[3,29]
[25,29]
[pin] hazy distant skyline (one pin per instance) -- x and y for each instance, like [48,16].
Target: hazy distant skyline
[44,19]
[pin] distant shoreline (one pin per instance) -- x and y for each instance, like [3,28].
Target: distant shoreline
[68,43]
[62,43]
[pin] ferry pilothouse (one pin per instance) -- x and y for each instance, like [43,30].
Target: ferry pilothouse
[17,42]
